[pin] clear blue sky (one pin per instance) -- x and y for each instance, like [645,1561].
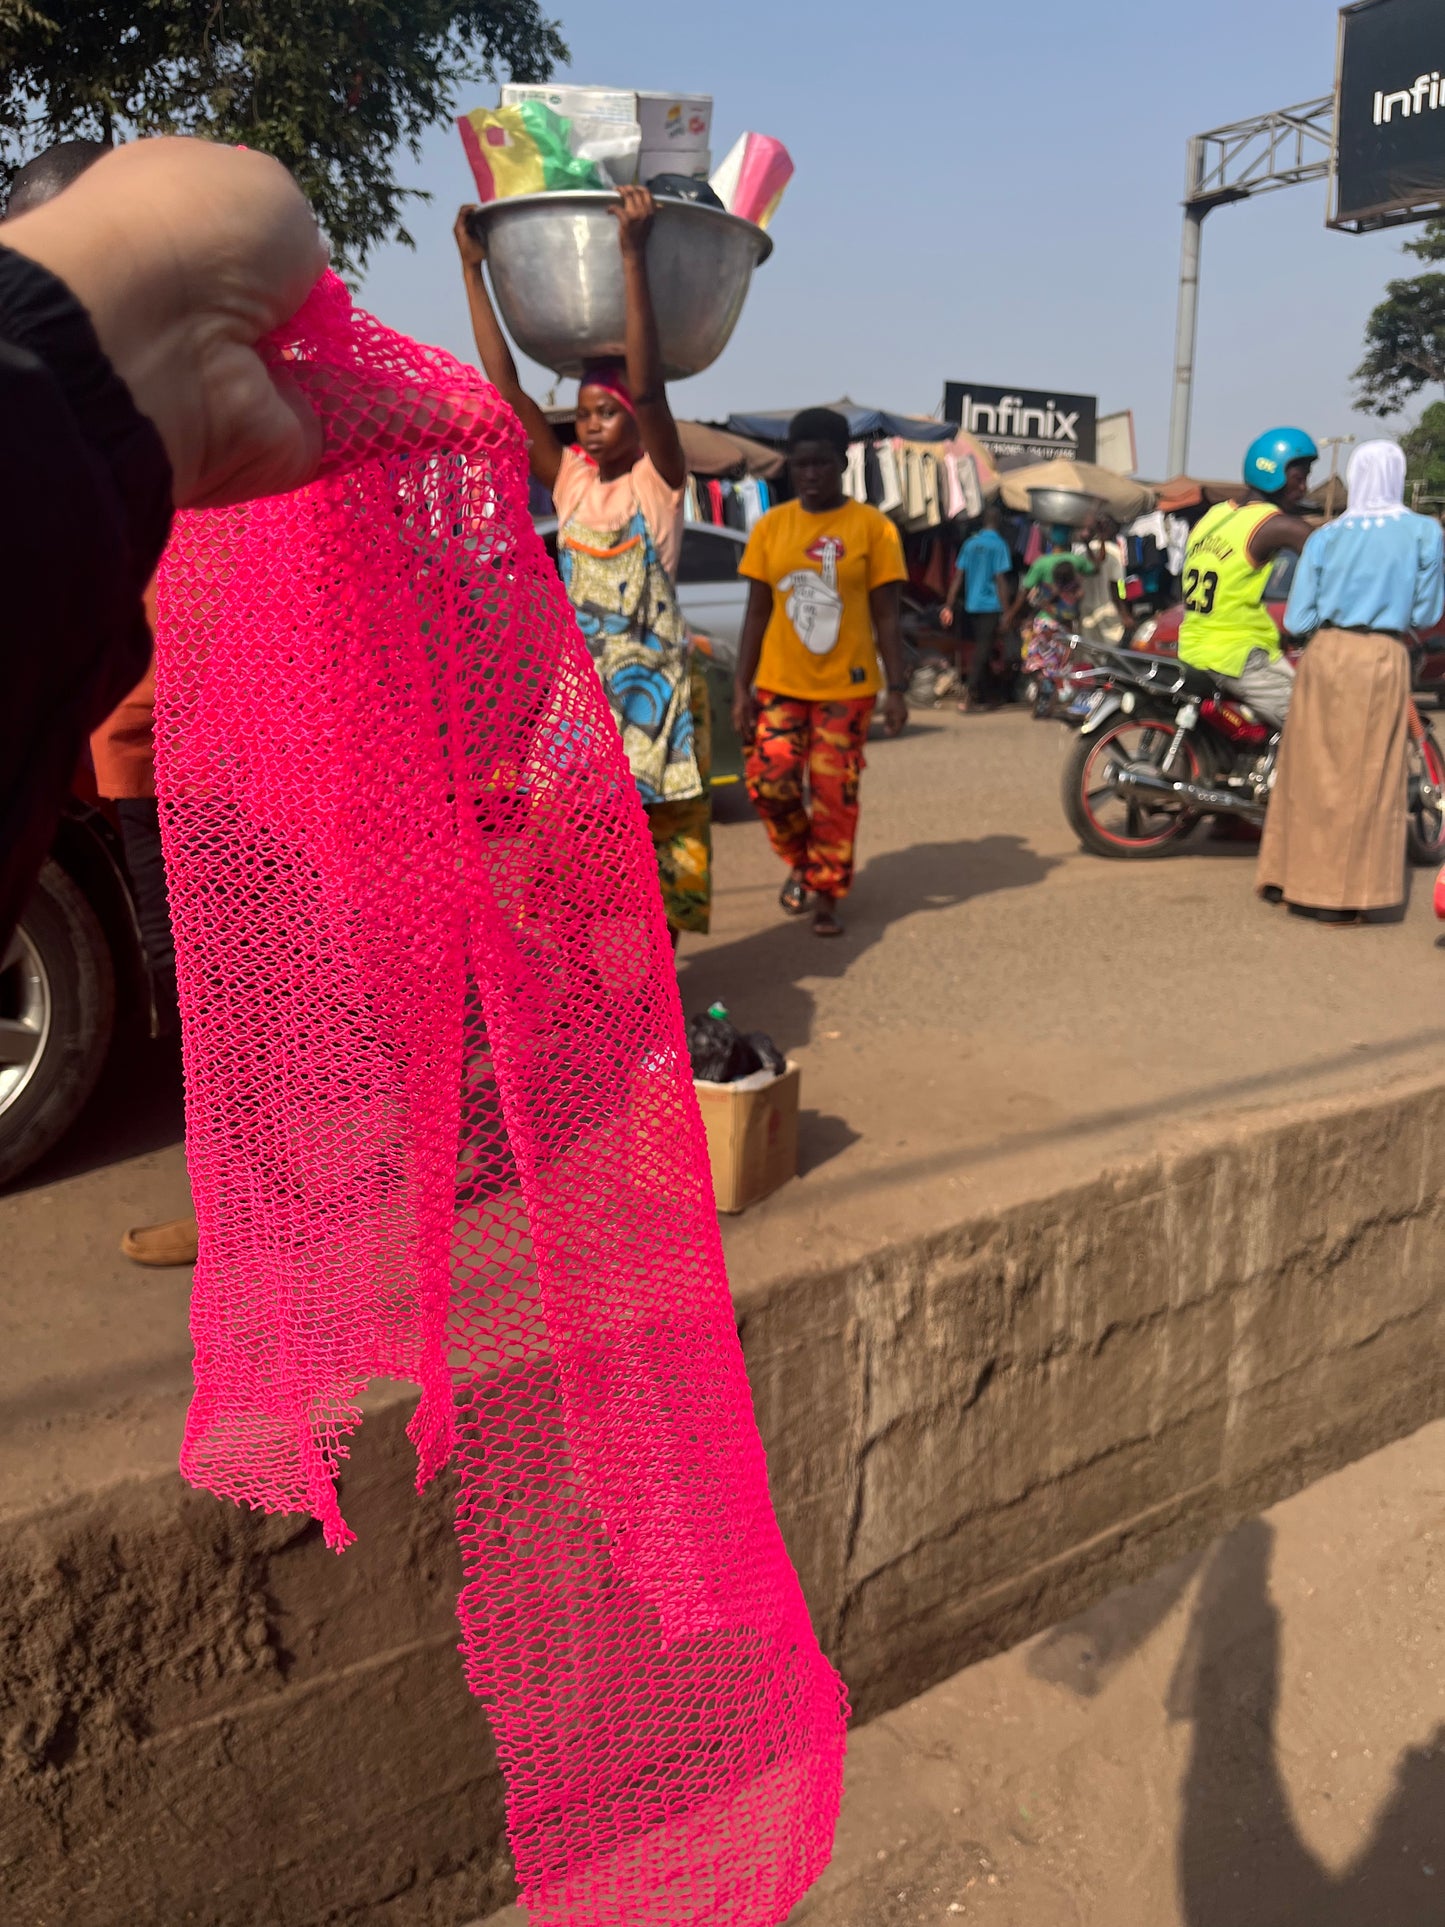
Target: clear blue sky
[987,193]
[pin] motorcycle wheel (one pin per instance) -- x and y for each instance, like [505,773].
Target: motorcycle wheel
[1111,825]
[1425,823]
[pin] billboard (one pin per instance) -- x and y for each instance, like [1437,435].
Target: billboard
[1389,113]
[1017,425]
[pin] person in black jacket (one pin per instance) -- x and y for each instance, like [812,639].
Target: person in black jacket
[131,306]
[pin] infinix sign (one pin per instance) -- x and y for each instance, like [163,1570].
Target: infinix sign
[1390,113]
[1407,100]
[1024,424]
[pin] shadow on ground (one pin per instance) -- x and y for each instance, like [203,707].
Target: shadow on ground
[1241,1859]
[758,976]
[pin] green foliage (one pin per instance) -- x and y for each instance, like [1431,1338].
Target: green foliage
[1424,448]
[1429,243]
[1405,335]
[334,88]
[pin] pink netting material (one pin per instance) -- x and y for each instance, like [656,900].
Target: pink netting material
[440,1127]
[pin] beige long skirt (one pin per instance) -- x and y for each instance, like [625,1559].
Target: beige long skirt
[1334,838]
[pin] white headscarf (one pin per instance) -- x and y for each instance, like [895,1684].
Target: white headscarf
[1376,478]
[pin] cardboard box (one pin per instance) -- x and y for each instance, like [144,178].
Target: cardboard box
[591,103]
[681,121]
[752,1138]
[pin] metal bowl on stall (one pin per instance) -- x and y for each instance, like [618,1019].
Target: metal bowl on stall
[556,273]
[1064,508]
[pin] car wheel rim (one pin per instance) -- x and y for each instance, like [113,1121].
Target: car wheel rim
[26,1013]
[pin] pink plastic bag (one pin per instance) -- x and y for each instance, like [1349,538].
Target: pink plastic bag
[751,180]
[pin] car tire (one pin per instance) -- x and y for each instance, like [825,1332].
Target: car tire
[57,980]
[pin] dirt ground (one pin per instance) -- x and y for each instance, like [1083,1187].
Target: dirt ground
[1253,1738]
[1007,1013]
[1005,1016]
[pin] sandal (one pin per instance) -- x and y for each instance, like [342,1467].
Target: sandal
[825,924]
[794,897]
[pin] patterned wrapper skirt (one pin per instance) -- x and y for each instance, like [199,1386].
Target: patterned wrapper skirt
[682,832]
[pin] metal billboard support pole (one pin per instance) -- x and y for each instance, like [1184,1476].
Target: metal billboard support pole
[1185,332]
[1226,165]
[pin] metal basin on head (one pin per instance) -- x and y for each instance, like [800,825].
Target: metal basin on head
[556,272]
[1066,508]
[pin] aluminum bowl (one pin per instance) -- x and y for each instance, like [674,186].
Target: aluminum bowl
[556,272]
[1065,508]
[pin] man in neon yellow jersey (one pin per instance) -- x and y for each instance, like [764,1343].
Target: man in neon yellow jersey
[1227,628]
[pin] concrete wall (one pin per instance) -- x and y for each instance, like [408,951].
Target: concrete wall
[206,1717]
[974,1437]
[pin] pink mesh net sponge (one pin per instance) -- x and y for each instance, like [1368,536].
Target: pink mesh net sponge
[440,1126]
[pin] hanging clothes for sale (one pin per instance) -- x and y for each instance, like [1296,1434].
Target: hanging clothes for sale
[953,503]
[750,495]
[971,485]
[911,464]
[872,476]
[889,469]
[932,491]
[855,478]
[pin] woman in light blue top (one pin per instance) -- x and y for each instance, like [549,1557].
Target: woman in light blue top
[1334,842]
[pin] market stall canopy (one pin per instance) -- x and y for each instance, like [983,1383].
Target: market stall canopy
[1125,500]
[716,451]
[1189,492]
[862,422]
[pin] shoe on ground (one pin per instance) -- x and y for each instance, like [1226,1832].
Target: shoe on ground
[173,1243]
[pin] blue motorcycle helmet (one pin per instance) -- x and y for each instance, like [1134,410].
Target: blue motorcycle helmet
[1267,459]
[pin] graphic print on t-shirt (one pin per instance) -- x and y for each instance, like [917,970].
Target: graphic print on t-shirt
[814,606]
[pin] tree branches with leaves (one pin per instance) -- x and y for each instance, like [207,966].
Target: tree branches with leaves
[334,88]
[1405,335]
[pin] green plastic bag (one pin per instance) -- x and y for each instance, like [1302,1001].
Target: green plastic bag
[523,150]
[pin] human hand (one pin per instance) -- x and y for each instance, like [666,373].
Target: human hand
[185,255]
[745,715]
[895,713]
[470,245]
[634,215]
[945,617]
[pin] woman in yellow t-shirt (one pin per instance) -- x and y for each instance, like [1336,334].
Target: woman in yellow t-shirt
[824,605]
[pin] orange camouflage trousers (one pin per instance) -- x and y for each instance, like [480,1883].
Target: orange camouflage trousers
[822,742]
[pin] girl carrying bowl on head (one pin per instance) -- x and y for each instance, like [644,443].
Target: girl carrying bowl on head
[618,492]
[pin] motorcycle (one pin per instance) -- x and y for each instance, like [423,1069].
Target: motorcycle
[1065,695]
[1159,746]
